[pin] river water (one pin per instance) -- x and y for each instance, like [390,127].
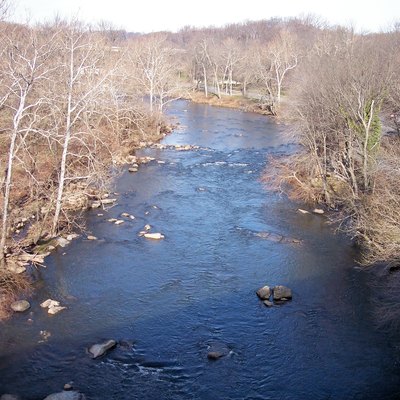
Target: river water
[169,302]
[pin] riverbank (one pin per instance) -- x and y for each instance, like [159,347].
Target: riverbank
[30,240]
[238,102]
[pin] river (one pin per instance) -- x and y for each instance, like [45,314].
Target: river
[169,302]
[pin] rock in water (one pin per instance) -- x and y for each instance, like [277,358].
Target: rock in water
[62,242]
[107,201]
[50,303]
[156,236]
[264,293]
[268,303]
[20,306]
[282,292]
[70,395]
[55,310]
[319,211]
[98,350]
[214,355]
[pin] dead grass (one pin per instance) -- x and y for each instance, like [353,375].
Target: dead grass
[236,102]
[12,286]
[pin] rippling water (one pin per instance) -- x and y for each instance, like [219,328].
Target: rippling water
[169,302]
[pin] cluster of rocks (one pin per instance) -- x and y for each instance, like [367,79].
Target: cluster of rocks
[103,202]
[279,294]
[20,223]
[136,161]
[150,235]
[273,237]
[95,351]
[178,147]
[118,221]
[53,306]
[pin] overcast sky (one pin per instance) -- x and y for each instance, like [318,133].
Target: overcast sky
[156,15]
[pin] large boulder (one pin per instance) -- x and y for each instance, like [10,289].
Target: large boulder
[264,293]
[99,349]
[20,306]
[66,395]
[282,293]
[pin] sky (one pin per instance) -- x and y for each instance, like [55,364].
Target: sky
[157,15]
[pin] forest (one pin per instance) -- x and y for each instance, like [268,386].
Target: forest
[77,100]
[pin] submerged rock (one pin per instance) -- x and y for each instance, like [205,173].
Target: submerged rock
[268,303]
[7,396]
[214,355]
[20,305]
[67,395]
[264,293]
[44,335]
[282,293]
[98,350]
[217,350]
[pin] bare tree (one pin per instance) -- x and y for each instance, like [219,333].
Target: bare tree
[274,62]
[85,74]
[25,66]
[155,70]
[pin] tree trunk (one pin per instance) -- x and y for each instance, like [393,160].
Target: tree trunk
[6,200]
[205,81]
[7,183]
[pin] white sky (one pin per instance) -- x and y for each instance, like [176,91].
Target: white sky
[156,15]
